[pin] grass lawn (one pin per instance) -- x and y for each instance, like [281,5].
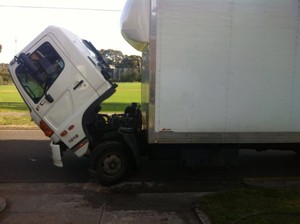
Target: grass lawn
[253,206]
[126,94]
[16,121]
[11,101]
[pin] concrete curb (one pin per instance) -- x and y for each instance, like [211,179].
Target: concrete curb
[2,204]
[203,218]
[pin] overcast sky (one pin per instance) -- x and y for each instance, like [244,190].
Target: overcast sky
[96,21]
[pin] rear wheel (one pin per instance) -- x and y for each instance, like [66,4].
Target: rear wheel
[112,162]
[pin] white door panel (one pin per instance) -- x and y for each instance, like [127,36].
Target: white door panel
[57,91]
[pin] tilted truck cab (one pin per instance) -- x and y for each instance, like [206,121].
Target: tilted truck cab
[63,80]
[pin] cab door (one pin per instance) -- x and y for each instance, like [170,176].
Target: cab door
[55,90]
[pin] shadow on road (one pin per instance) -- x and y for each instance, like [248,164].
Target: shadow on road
[30,161]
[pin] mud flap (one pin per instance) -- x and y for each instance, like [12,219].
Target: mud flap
[131,141]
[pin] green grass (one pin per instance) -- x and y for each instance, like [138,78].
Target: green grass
[126,94]
[11,101]
[9,93]
[257,205]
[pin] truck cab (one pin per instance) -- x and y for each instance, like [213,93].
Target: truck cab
[63,79]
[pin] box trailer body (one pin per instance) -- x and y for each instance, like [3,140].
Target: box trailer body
[222,71]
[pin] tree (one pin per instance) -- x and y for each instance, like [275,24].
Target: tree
[112,57]
[130,76]
[132,61]
[127,67]
[5,77]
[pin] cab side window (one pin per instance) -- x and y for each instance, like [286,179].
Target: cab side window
[49,65]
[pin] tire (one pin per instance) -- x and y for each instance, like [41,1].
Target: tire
[111,163]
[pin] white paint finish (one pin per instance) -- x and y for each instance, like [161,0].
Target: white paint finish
[69,103]
[227,66]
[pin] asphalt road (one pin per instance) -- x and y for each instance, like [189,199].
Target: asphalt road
[25,158]
[35,191]
[161,191]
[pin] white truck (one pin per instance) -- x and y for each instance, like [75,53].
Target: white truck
[217,74]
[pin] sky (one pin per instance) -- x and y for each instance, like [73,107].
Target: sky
[96,21]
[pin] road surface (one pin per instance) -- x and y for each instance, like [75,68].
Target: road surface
[161,191]
[25,158]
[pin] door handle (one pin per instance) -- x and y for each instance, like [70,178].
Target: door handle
[78,84]
[49,98]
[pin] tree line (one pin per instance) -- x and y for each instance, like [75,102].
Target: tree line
[124,68]
[5,77]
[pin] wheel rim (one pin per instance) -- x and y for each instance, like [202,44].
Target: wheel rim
[112,164]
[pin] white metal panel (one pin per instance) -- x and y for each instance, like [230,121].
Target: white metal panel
[193,41]
[295,110]
[262,67]
[69,103]
[227,66]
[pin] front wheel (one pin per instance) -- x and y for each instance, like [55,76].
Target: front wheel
[111,162]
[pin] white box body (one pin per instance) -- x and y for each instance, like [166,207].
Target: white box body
[222,71]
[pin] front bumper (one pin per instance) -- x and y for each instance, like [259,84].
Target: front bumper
[56,154]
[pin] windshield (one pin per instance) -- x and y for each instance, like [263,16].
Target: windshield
[47,66]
